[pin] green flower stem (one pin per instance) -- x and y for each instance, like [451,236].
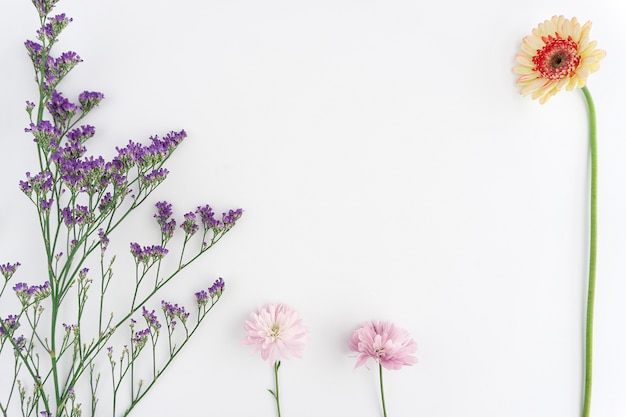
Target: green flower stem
[382,391]
[275,392]
[592,253]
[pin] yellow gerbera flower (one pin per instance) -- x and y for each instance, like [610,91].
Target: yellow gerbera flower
[557,55]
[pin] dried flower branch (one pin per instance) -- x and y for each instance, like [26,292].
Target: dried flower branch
[57,343]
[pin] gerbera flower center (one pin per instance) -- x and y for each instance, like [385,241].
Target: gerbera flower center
[558,59]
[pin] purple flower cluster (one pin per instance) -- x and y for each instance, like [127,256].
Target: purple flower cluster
[214,293]
[57,68]
[20,342]
[106,203]
[229,219]
[44,6]
[163,217]
[141,337]
[155,177]
[189,224]
[54,26]
[209,222]
[151,319]
[61,109]
[44,133]
[9,325]
[147,157]
[207,217]
[77,216]
[33,293]
[216,289]
[80,135]
[104,240]
[173,312]
[147,254]
[89,99]
[7,270]
[41,184]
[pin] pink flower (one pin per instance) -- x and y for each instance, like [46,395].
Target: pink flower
[277,331]
[387,344]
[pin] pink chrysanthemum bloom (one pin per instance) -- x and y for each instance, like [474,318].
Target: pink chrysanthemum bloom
[277,331]
[557,55]
[387,344]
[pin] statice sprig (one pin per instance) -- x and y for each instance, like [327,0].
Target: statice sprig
[80,200]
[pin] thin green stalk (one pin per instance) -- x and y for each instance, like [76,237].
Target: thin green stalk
[382,390]
[275,392]
[592,253]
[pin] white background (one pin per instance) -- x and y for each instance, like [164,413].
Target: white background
[388,169]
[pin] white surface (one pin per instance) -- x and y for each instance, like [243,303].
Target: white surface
[388,169]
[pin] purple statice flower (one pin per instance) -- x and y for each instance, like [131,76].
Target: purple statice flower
[202,298]
[231,217]
[89,99]
[35,50]
[214,293]
[95,178]
[164,211]
[45,205]
[128,156]
[104,240]
[162,216]
[80,175]
[9,325]
[217,288]
[79,215]
[151,319]
[45,133]
[165,146]
[45,414]
[20,343]
[33,293]
[21,291]
[135,250]
[66,157]
[189,224]
[207,217]
[66,215]
[61,109]
[71,173]
[159,149]
[40,292]
[147,254]
[40,183]
[155,177]
[70,328]
[106,203]
[173,311]
[7,270]
[141,337]
[44,7]
[54,26]
[57,68]
[81,134]
[26,187]
[29,107]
